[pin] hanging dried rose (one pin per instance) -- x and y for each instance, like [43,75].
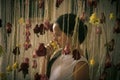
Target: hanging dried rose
[27,45]
[8,28]
[98,30]
[43,77]
[116,29]
[46,25]
[27,33]
[42,29]
[27,39]
[41,51]
[108,61]
[41,3]
[36,30]
[103,18]
[111,45]
[92,3]
[28,24]
[34,64]
[16,50]
[37,76]
[76,54]
[0,23]
[58,2]
[24,67]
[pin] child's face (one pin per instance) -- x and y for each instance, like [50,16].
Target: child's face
[59,35]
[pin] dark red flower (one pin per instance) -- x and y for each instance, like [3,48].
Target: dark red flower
[76,54]
[24,67]
[41,3]
[42,29]
[41,51]
[116,29]
[37,76]
[8,27]
[16,50]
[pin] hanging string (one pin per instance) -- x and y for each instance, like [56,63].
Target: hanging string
[75,39]
[63,8]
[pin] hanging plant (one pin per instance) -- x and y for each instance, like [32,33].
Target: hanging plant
[41,51]
[0,23]
[116,29]
[103,18]
[58,3]
[98,30]
[34,64]
[24,67]
[16,50]
[8,28]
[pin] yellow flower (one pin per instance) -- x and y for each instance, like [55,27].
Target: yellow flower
[111,16]
[21,21]
[54,45]
[92,62]
[9,68]
[15,65]
[94,19]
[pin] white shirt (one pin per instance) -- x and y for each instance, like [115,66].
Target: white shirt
[63,67]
